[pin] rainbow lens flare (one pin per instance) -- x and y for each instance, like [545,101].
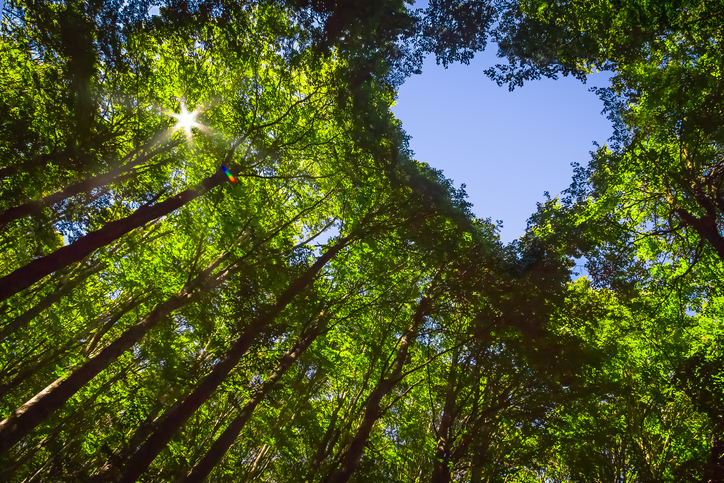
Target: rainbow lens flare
[228,173]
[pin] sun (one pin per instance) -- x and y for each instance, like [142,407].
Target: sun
[185,120]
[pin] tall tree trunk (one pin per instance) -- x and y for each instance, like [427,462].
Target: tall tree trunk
[34,271]
[714,470]
[50,461]
[36,410]
[257,460]
[476,473]
[372,410]
[145,455]
[108,325]
[115,175]
[223,443]
[31,356]
[324,446]
[47,302]
[21,358]
[143,431]
[7,471]
[441,464]
[58,353]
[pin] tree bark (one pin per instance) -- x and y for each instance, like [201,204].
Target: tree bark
[324,446]
[372,410]
[35,353]
[5,388]
[145,455]
[257,460]
[706,228]
[50,461]
[143,431]
[47,302]
[7,472]
[34,207]
[219,448]
[714,471]
[109,323]
[36,410]
[441,464]
[34,271]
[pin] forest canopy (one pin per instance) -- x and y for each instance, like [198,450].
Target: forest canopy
[220,261]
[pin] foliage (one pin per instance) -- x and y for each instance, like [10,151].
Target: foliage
[338,304]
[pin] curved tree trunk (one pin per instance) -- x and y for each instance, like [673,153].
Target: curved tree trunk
[173,421]
[219,448]
[372,410]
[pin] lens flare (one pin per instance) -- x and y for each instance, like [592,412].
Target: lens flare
[228,173]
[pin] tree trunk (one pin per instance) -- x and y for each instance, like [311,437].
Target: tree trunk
[35,411]
[31,356]
[372,410]
[145,455]
[58,353]
[86,186]
[7,472]
[108,325]
[257,460]
[34,271]
[217,451]
[22,357]
[476,474]
[47,302]
[37,476]
[143,431]
[324,446]
[441,464]
[714,471]
[706,228]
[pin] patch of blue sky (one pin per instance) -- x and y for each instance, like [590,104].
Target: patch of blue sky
[507,147]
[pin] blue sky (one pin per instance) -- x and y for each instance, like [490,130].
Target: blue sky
[507,147]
